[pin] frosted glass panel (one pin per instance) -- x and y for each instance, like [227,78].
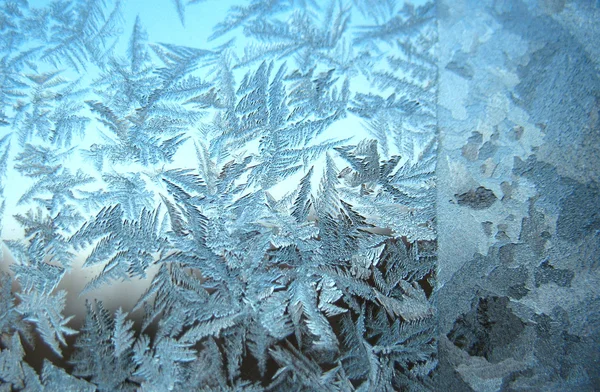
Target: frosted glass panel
[299,195]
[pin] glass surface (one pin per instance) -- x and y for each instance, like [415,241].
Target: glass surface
[299,195]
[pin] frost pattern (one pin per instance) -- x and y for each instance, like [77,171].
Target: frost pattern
[292,253]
